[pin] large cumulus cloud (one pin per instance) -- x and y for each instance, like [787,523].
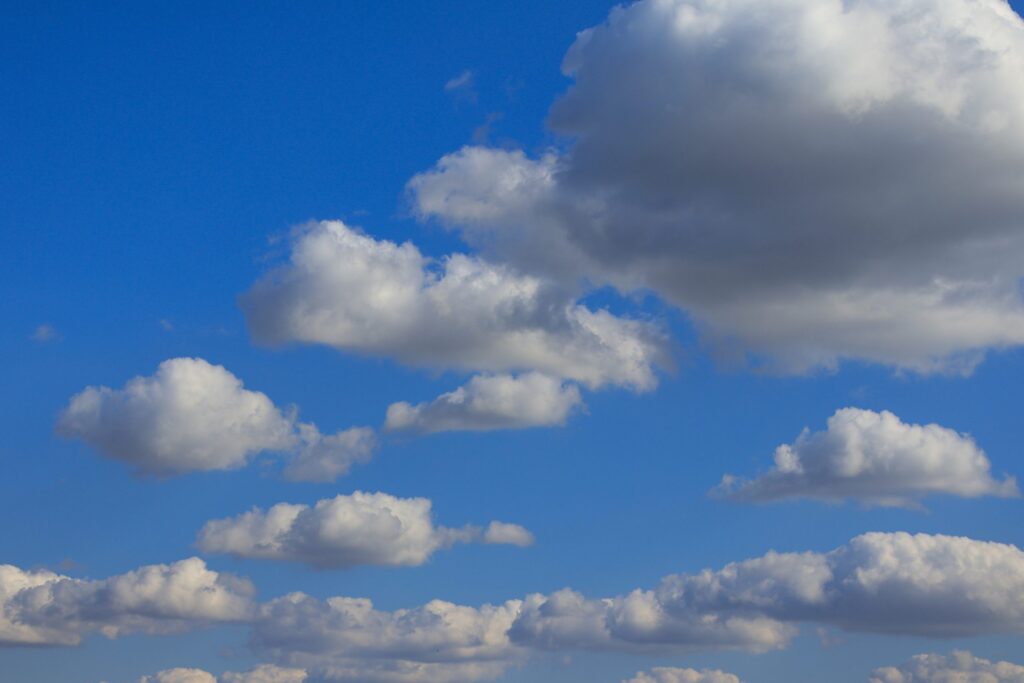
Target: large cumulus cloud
[192,415]
[875,458]
[355,293]
[811,180]
[346,531]
[43,608]
[957,667]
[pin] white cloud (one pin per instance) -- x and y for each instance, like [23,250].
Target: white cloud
[958,667]
[265,673]
[463,80]
[45,333]
[810,180]
[46,608]
[502,533]
[346,639]
[346,531]
[194,416]
[672,675]
[876,458]
[180,675]
[350,291]
[491,402]
[936,586]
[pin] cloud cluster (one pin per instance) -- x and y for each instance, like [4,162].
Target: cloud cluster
[958,667]
[194,416]
[43,608]
[265,673]
[352,292]
[875,458]
[347,531]
[347,639]
[936,586]
[490,402]
[672,675]
[810,181]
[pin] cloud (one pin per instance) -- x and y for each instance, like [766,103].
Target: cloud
[462,81]
[194,416]
[42,608]
[347,531]
[490,402]
[810,181]
[354,293]
[346,639]
[958,667]
[265,673]
[876,458]
[180,675]
[671,675]
[502,533]
[45,333]
[933,586]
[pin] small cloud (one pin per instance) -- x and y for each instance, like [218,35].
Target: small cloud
[460,82]
[463,87]
[45,333]
[482,133]
[166,325]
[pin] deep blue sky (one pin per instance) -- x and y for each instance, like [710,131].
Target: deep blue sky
[152,155]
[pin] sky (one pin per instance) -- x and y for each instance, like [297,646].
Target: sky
[678,341]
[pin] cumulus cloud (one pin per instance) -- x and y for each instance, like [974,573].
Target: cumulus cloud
[347,639]
[810,181]
[958,667]
[42,608]
[194,416]
[354,293]
[180,675]
[876,458]
[938,586]
[490,402]
[672,675]
[265,673]
[347,531]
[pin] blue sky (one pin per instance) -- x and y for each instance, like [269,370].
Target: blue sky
[155,159]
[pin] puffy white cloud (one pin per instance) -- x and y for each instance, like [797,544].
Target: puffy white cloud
[491,402]
[876,458]
[265,673]
[192,416]
[810,180]
[958,667]
[355,293]
[673,675]
[346,531]
[346,639]
[180,675]
[324,458]
[46,608]
[502,533]
[880,582]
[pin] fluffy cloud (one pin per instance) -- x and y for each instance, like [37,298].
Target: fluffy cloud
[491,402]
[810,180]
[670,675]
[46,608]
[346,639]
[346,531]
[874,457]
[355,293]
[180,675]
[958,667]
[265,673]
[192,416]
[922,585]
